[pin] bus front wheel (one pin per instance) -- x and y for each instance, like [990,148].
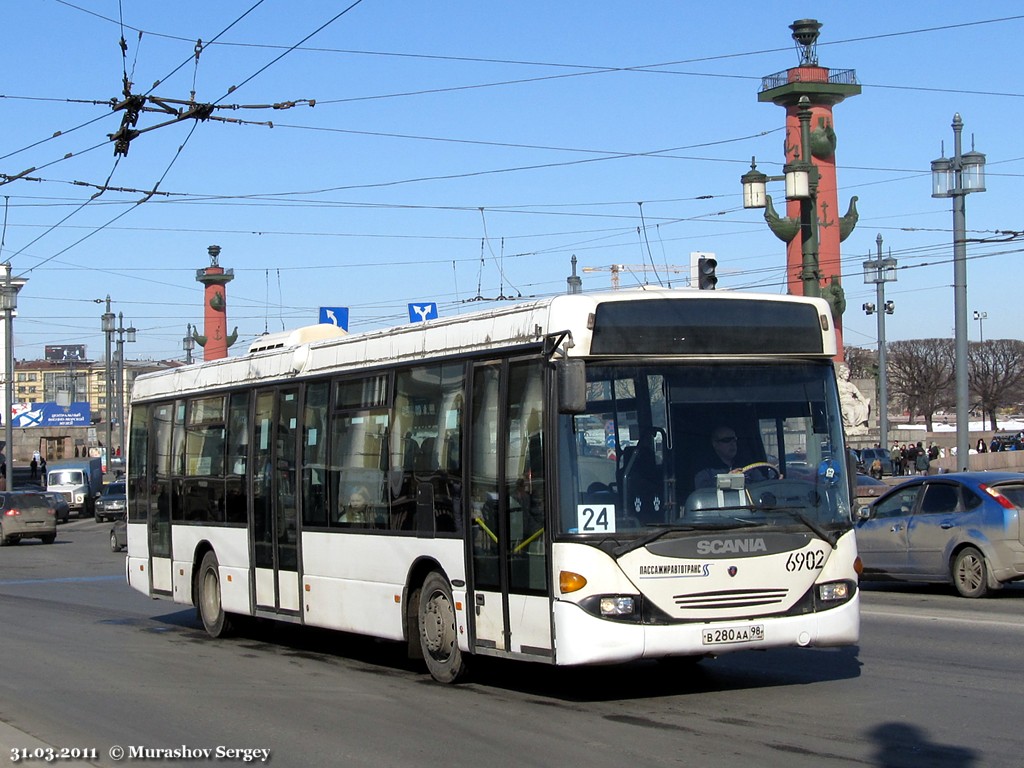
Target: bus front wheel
[439,637]
[208,603]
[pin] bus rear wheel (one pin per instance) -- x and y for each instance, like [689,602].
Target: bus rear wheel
[208,603]
[439,637]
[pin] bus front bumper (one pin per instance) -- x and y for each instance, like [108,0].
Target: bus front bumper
[582,638]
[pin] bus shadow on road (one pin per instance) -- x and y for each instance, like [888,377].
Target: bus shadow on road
[743,670]
[292,640]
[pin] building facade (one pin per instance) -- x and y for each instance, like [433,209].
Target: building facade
[78,390]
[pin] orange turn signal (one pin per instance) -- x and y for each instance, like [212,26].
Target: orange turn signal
[570,582]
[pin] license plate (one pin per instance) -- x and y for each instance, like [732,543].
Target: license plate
[748,633]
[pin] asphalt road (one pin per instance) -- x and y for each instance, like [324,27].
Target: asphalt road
[88,664]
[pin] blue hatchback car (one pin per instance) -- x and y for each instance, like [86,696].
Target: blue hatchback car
[962,527]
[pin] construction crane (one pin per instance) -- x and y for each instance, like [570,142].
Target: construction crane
[617,269]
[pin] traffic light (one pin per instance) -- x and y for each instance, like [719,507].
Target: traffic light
[706,278]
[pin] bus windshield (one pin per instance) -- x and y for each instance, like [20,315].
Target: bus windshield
[705,446]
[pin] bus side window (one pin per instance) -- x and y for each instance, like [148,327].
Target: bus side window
[428,412]
[314,454]
[235,501]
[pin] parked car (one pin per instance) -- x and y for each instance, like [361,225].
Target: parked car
[26,515]
[868,456]
[854,458]
[60,506]
[961,528]
[118,535]
[868,488]
[112,502]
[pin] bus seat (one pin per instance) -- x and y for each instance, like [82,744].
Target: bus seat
[426,461]
[642,485]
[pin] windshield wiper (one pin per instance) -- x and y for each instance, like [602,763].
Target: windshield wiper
[643,541]
[648,538]
[831,539]
[824,535]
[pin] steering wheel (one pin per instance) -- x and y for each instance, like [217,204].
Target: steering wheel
[769,471]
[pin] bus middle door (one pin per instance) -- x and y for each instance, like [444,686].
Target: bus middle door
[274,530]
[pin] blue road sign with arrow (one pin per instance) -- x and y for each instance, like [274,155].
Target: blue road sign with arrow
[425,310]
[335,316]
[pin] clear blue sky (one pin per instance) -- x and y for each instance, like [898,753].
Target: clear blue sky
[467,150]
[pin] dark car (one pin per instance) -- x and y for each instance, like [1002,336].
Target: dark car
[26,515]
[867,488]
[868,456]
[118,535]
[112,503]
[854,458]
[60,506]
[962,528]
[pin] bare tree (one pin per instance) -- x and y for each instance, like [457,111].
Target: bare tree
[863,363]
[921,375]
[996,374]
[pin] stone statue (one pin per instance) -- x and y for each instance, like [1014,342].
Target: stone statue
[855,406]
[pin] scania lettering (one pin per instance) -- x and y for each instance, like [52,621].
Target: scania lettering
[535,482]
[725,546]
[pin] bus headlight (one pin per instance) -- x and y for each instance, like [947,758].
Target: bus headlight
[836,590]
[618,605]
[627,608]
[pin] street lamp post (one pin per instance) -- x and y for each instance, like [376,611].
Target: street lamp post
[107,325]
[956,178]
[880,271]
[9,303]
[188,344]
[981,317]
[121,333]
[801,177]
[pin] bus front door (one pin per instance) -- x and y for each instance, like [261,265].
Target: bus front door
[509,585]
[274,530]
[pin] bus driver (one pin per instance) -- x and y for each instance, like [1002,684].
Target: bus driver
[724,443]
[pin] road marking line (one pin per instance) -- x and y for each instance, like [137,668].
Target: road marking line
[61,580]
[1012,622]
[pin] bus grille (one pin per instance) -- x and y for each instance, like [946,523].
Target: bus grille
[731,598]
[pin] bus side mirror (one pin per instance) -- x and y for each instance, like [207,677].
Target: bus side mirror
[572,386]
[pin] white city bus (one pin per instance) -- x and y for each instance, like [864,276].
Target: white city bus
[536,482]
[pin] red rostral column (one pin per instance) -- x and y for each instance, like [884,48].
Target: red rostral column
[215,339]
[823,88]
